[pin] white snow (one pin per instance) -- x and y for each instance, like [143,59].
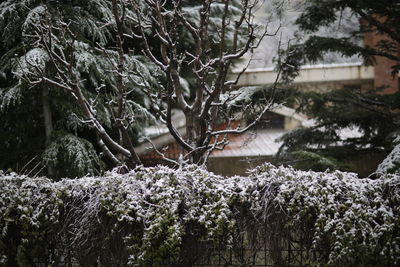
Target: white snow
[33,18]
[32,62]
[347,214]
[391,164]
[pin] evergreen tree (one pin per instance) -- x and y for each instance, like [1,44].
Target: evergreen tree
[42,125]
[77,77]
[371,112]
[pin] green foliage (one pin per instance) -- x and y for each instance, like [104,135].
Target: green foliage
[29,212]
[160,216]
[381,17]
[88,44]
[391,164]
[372,114]
[345,121]
[336,208]
[68,150]
[356,112]
[306,160]
[91,53]
[22,142]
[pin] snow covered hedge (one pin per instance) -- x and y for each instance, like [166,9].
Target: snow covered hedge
[165,217]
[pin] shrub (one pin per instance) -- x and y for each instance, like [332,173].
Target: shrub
[165,217]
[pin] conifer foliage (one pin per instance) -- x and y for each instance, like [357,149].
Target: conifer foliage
[61,82]
[371,113]
[97,71]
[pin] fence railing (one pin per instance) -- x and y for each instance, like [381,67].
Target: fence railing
[268,251]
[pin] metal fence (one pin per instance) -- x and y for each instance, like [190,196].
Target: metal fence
[287,251]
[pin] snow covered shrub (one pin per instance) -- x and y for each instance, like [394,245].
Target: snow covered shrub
[350,221]
[391,164]
[165,217]
[149,217]
[29,213]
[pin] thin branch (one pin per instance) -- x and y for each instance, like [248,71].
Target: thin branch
[108,153]
[380,26]
[254,122]
[162,154]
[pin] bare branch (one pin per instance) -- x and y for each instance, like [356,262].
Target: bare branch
[108,153]
[162,154]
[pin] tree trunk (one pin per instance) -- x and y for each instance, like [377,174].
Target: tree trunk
[48,124]
[134,159]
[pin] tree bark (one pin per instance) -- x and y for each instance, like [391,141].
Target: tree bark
[48,124]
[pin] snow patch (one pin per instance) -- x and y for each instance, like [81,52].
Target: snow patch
[32,63]
[391,164]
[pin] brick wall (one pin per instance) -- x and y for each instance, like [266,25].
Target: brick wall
[382,65]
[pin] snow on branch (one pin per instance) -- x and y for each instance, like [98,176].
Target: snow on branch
[199,43]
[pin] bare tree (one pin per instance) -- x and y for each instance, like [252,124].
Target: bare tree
[220,33]
[223,31]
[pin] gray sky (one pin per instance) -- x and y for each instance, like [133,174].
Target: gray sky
[289,12]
